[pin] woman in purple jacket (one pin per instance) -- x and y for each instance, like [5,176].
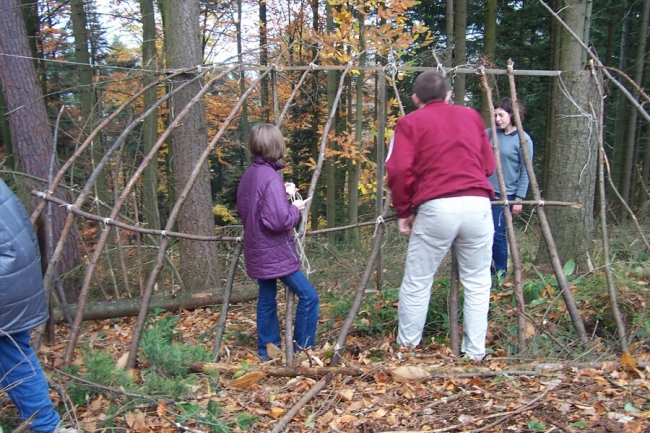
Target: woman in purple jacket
[269,249]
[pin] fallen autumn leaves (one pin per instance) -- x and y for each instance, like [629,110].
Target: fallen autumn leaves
[426,390]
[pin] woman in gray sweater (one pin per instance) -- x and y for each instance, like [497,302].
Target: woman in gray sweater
[514,174]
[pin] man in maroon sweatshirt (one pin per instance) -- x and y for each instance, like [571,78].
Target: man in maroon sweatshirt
[437,167]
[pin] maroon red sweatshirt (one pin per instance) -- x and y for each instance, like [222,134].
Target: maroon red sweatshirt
[438,151]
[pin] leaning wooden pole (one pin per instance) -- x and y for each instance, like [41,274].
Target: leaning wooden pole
[510,228]
[454,334]
[609,278]
[313,392]
[569,300]
[221,326]
[358,297]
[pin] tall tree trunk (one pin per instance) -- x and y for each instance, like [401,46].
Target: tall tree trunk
[29,126]
[355,172]
[572,165]
[264,60]
[621,124]
[245,127]
[317,203]
[460,32]
[199,266]
[449,34]
[330,166]
[489,49]
[586,34]
[628,168]
[645,172]
[5,136]
[554,65]
[87,94]
[151,215]
[645,162]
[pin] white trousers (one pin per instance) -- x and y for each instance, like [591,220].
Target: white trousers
[465,222]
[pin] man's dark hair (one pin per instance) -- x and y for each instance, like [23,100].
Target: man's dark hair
[430,86]
[506,105]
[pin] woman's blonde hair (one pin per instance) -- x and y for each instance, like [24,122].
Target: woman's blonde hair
[267,141]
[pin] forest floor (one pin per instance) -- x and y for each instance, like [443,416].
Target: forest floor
[379,389]
[556,386]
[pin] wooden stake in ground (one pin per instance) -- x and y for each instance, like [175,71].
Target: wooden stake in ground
[510,228]
[578,324]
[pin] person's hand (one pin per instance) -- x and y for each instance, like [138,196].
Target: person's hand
[404,224]
[516,209]
[290,188]
[300,204]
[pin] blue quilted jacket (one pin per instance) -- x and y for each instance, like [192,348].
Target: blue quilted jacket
[22,298]
[269,219]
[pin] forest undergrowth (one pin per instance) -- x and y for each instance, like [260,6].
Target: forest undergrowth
[555,385]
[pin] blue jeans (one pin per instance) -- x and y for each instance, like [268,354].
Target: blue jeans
[500,244]
[22,378]
[268,323]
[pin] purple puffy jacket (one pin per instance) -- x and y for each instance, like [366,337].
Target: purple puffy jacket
[269,219]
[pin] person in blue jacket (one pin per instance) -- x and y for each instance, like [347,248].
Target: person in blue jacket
[22,308]
[515,176]
[270,253]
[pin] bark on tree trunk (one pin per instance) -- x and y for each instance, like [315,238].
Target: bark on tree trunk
[355,170]
[100,310]
[449,34]
[86,94]
[621,109]
[150,126]
[245,127]
[199,265]
[264,60]
[572,168]
[489,50]
[460,32]
[629,174]
[330,167]
[29,126]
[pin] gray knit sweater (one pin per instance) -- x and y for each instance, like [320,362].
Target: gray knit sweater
[512,163]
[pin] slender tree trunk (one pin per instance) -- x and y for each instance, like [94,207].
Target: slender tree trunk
[628,169]
[199,261]
[330,166]
[317,203]
[554,65]
[355,170]
[151,215]
[87,94]
[622,112]
[264,60]
[245,127]
[645,173]
[449,34]
[587,30]
[489,50]
[460,32]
